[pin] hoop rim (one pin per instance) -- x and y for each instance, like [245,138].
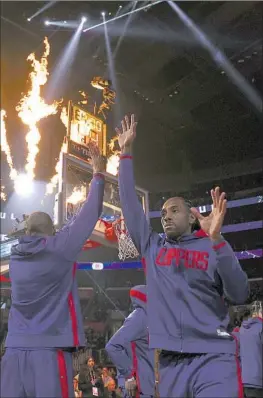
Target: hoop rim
[119,221]
[125,245]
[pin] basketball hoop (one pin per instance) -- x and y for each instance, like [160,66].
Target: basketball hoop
[72,209]
[125,243]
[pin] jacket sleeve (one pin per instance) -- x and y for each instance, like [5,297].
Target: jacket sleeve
[134,216]
[71,238]
[235,280]
[119,346]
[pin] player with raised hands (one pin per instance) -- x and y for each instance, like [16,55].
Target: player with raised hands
[189,272]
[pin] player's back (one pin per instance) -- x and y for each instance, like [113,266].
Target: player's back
[251,351]
[45,310]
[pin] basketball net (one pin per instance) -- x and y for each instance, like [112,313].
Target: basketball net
[125,243]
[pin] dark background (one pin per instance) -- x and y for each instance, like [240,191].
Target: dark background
[191,117]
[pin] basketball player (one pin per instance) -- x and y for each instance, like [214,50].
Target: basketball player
[45,321]
[188,272]
[129,348]
[251,351]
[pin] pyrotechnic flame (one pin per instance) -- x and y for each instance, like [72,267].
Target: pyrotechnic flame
[55,179]
[51,186]
[113,164]
[64,116]
[77,196]
[113,160]
[84,101]
[32,107]
[3,194]
[6,148]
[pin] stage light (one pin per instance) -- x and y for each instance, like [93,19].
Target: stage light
[120,6]
[103,13]
[83,19]
[47,23]
[65,21]
[29,19]
[23,185]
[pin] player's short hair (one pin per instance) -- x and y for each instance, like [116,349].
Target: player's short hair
[196,225]
[39,223]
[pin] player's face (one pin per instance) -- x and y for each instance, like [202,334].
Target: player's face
[176,218]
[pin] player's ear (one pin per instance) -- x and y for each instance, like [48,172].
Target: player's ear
[192,219]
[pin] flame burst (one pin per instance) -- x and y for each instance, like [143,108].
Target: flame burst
[113,160]
[3,194]
[6,148]
[32,107]
[78,195]
[58,168]
[64,117]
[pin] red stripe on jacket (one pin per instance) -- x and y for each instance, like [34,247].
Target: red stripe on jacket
[63,376]
[73,314]
[139,295]
[238,368]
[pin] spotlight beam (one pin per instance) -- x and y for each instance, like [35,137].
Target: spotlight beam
[111,67]
[120,40]
[220,59]
[65,62]
[42,9]
[63,24]
[122,15]
[20,27]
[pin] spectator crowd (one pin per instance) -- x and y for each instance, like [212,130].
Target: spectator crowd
[96,380]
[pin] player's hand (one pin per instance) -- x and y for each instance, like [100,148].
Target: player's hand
[131,387]
[212,224]
[128,133]
[97,160]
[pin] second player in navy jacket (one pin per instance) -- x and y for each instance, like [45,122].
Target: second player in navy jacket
[129,346]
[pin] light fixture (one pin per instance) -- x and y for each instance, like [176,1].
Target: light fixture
[83,19]
[29,19]
[120,6]
[103,13]
[47,23]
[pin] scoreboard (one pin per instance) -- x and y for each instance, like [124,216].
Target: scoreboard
[84,127]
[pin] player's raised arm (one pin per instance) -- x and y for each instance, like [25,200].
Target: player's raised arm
[133,213]
[73,236]
[235,281]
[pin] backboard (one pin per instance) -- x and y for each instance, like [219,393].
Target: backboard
[76,177]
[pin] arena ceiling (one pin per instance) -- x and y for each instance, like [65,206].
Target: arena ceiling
[190,114]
